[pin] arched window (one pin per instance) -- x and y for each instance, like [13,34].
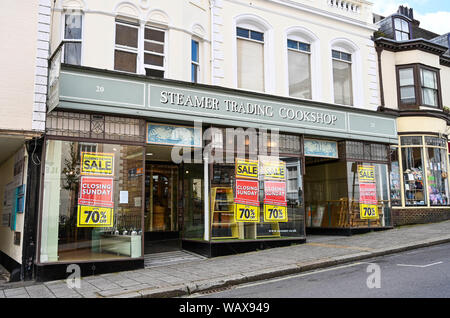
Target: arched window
[302,63]
[252,35]
[346,68]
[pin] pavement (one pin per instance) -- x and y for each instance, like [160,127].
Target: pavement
[206,275]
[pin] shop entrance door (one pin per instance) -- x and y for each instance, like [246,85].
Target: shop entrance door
[161,229]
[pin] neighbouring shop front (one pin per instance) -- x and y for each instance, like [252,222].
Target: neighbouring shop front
[419,177]
[135,166]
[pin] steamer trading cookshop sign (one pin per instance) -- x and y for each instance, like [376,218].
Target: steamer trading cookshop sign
[112,92]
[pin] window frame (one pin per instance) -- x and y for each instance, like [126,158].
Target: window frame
[261,42]
[401,31]
[63,34]
[423,146]
[195,64]
[351,63]
[163,55]
[124,48]
[417,67]
[298,50]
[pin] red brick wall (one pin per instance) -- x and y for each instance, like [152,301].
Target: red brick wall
[420,215]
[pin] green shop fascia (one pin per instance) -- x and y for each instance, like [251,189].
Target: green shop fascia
[133,165]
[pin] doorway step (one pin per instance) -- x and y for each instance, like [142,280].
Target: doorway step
[170,258]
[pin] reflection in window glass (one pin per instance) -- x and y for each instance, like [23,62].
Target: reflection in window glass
[92,202]
[193,218]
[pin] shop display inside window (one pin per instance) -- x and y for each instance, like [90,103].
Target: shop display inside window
[92,207]
[396,199]
[437,176]
[413,176]
[256,199]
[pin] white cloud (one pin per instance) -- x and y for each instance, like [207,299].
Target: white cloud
[437,22]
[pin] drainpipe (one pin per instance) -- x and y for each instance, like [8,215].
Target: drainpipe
[211,7]
[380,74]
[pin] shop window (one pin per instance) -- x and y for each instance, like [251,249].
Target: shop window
[342,78]
[250,204]
[425,173]
[418,85]
[413,176]
[250,59]
[299,66]
[396,197]
[73,26]
[92,204]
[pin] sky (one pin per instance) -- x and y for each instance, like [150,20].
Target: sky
[434,15]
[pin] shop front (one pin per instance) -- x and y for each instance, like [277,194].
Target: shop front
[419,178]
[135,166]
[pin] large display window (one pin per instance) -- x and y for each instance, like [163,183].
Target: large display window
[92,202]
[424,171]
[258,196]
[351,191]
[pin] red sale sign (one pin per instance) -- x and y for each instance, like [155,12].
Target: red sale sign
[96,191]
[247,191]
[275,192]
[368,193]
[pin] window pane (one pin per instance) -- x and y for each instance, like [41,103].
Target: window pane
[72,53]
[153,59]
[154,47]
[407,95]
[250,66]
[428,78]
[413,176]
[411,140]
[405,36]
[342,79]
[242,32]
[429,97]
[406,76]
[258,36]
[405,26]
[395,178]
[435,141]
[336,54]
[292,44]
[154,73]
[194,73]
[126,35]
[154,35]
[72,29]
[194,53]
[79,225]
[304,47]
[398,24]
[125,61]
[437,176]
[299,74]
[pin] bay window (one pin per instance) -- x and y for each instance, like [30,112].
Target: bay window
[418,85]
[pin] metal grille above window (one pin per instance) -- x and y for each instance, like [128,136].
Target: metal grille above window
[103,127]
[364,151]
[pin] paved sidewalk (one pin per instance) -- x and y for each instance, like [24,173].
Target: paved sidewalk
[202,275]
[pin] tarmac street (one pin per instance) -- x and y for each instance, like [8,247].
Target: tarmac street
[351,254]
[422,273]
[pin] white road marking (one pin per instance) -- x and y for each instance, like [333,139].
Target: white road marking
[297,275]
[419,266]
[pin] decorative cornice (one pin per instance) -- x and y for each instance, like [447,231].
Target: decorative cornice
[416,44]
[415,113]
